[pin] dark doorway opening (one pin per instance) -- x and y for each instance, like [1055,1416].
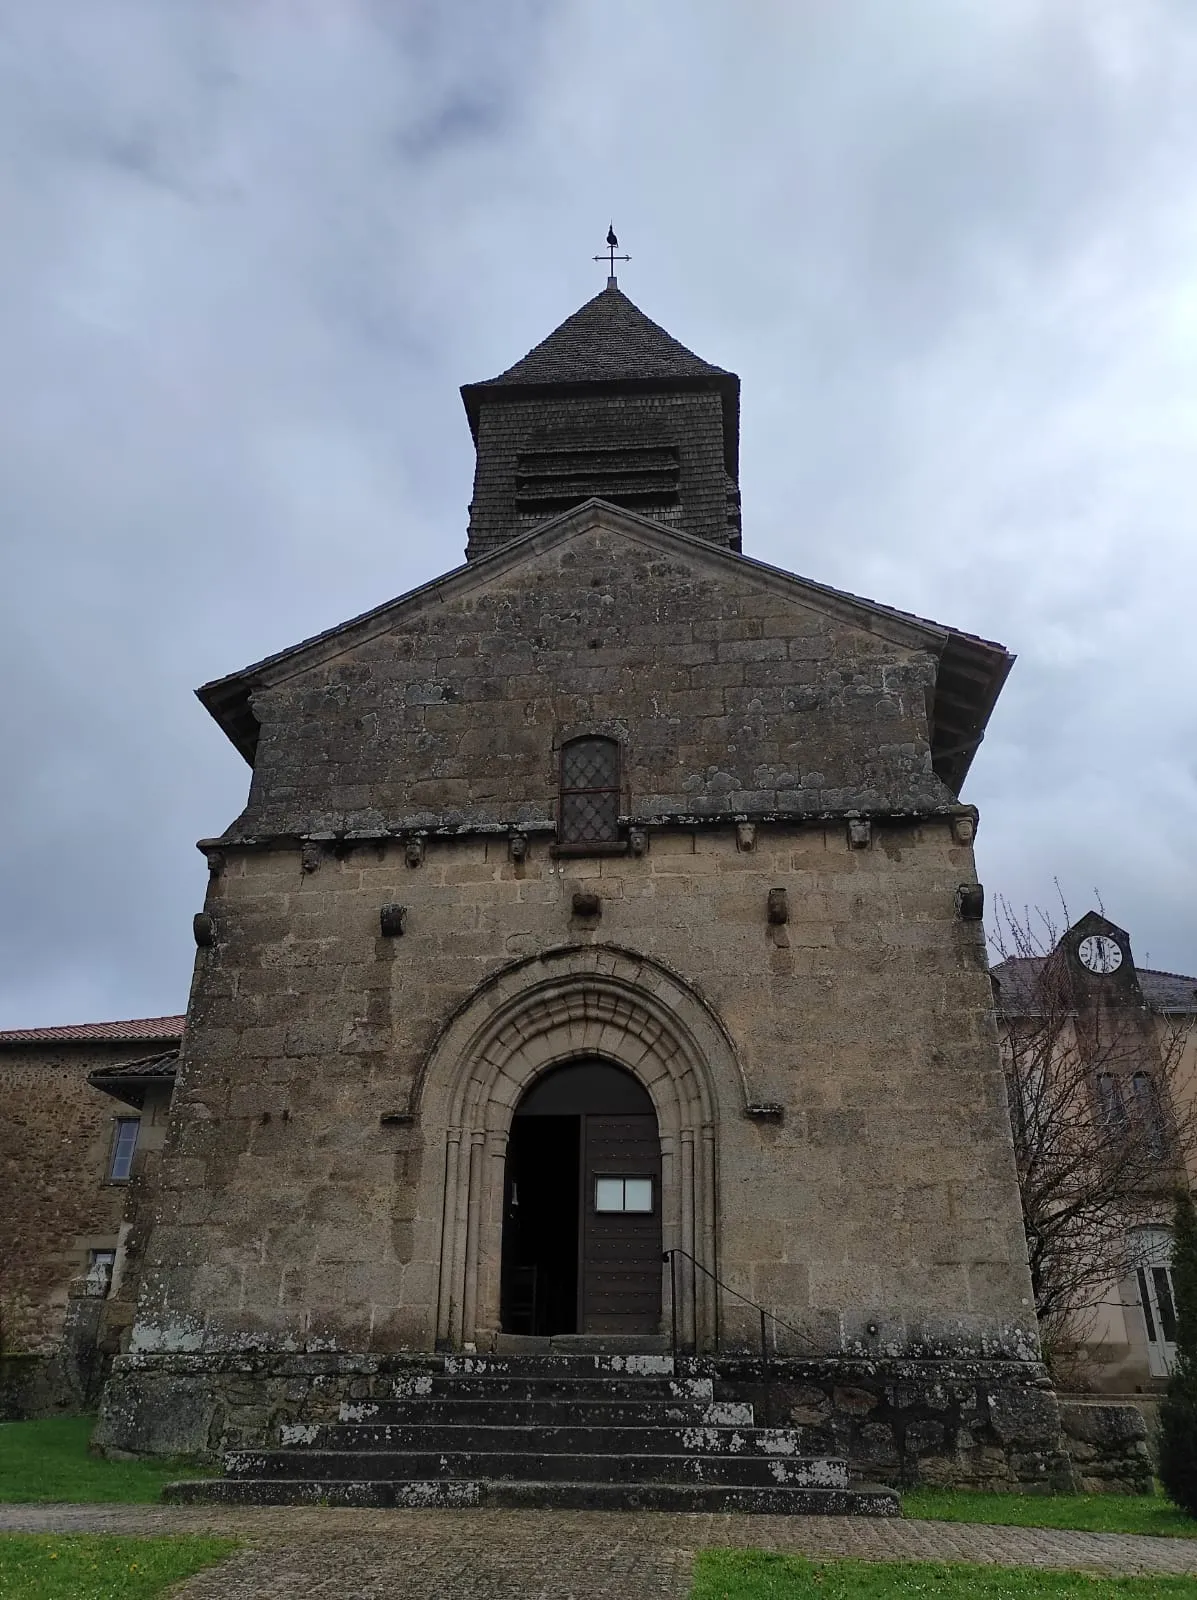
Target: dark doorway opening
[582,1206]
[540,1230]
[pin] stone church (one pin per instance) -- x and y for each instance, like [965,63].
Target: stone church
[597,964]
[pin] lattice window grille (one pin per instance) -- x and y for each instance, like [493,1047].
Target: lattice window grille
[590,791]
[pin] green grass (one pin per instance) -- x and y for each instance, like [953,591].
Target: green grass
[1095,1513]
[755,1575]
[99,1566]
[48,1461]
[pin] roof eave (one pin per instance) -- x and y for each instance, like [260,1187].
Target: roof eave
[129,1090]
[726,383]
[230,702]
[969,679]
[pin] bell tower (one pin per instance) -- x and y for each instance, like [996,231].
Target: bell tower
[609,406]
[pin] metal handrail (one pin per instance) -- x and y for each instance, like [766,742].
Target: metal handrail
[668,1255]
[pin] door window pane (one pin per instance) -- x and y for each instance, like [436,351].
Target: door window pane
[608,1194]
[623,1194]
[1145,1301]
[1163,1299]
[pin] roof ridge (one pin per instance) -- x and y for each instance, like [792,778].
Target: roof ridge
[126,1028]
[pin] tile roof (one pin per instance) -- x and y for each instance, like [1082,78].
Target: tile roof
[608,339]
[135,1031]
[1163,991]
[130,1081]
[148,1067]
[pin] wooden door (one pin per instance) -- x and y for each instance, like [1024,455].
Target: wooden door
[619,1288]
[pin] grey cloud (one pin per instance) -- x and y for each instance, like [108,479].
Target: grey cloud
[252,252]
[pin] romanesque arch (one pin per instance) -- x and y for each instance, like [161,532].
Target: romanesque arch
[569,1003]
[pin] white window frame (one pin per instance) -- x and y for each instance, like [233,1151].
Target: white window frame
[1153,1281]
[623,1208]
[118,1154]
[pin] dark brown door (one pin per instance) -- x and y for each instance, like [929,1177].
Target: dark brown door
[582,1206]
[620,1281]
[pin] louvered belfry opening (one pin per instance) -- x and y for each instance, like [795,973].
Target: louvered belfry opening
[608,407]
[640,477]
[589,812]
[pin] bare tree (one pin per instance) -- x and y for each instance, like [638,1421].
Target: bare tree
[1103,1116]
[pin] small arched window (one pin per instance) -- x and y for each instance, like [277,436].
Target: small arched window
[589,809]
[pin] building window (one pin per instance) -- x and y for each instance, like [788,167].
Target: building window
[1109,1095]
[1148,1114]
[124,1145]
[99,1267]
[589,792]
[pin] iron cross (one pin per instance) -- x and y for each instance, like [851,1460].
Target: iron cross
[612,247]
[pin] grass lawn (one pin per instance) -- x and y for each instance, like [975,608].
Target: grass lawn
[48,1461]
[100,1566]
[1095,1513]
[755,1575]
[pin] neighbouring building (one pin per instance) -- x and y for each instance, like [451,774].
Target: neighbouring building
[1093,1040]
[85,1109]
[611,895]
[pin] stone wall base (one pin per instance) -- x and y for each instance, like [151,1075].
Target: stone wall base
[198,1405]
[970,1423]
[986,1424]
[65,1381]
[1108,1441]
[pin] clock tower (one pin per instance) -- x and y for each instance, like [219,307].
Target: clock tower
[1100,966]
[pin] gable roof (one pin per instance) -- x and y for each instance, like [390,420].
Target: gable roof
[609,345]
[971,672]
[1170,992]
[140,1030]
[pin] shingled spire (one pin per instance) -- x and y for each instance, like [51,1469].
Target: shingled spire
[609,405]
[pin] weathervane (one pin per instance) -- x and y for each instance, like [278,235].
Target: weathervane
[612,247]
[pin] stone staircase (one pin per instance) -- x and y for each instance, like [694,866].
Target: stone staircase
[572,1431]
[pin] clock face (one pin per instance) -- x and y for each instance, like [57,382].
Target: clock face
[1100,953]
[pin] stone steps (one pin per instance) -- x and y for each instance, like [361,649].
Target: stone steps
[576,1430]
[860,1500]
[515,1466]
[584,1439]
[638,1367]
[545,1412]
[543,1387]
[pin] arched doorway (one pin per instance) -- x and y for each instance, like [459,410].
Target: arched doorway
[549,1010]
[582,1206]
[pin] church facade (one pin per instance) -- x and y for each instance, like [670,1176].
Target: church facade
[598,956]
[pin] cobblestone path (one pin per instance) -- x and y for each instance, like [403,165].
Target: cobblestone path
[317,1554]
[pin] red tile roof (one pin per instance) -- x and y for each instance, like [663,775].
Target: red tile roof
[130,1032]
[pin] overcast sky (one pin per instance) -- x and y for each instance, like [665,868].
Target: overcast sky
[250,250]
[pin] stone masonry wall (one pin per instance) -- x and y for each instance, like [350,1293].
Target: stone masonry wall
[879,1216]
[55,1139]
[690,421]
[732,693]
[992,1425]
[1108,1443]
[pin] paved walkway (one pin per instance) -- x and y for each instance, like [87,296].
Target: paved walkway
[323,1553]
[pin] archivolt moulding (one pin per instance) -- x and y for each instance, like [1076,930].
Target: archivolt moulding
[537,1014]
